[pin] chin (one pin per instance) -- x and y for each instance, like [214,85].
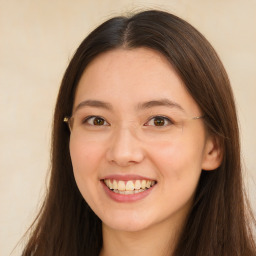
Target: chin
[127,223]
[126,227]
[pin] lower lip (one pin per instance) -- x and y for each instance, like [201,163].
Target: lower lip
[126,198]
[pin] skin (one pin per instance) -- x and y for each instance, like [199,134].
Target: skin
[129,143]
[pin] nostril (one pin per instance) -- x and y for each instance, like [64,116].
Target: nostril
[124,157]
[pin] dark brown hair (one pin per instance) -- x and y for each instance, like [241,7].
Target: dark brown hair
[219,221]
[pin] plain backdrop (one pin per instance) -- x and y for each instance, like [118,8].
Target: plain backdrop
[37,40]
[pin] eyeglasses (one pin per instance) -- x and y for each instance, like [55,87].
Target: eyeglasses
[157,126]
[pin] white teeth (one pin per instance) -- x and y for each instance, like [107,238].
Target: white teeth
[128,192]
[114,184]
[129,187]
[148,184]
[121,185]
[110,185]
[143,184]
[137,184]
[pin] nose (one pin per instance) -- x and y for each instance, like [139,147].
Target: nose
[125,148]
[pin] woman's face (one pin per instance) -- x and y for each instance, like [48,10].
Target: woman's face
[137,152]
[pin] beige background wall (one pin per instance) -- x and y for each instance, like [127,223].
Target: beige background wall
[37,39]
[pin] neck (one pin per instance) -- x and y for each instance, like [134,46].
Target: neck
[159,240]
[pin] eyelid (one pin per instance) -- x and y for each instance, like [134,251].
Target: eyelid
[86,119]
[168,119]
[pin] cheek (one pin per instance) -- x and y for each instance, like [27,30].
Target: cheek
[179,170]
[179,164]
[85,155]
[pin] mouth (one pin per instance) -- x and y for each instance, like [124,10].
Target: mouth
[128,187]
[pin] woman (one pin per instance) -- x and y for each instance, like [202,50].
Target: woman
[149,163]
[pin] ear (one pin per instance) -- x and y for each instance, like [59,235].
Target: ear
[213,154]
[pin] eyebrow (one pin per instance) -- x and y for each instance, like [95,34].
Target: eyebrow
[93,103]
[161,102]
[140,106]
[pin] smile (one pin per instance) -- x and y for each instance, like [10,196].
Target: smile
[129,187]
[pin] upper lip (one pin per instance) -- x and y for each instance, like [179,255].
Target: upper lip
[126,177]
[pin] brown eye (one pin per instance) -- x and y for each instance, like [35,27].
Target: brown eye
[96,121]
[159,121]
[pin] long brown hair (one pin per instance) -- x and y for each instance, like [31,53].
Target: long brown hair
[219,221]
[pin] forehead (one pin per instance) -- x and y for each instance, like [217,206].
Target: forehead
[126,77]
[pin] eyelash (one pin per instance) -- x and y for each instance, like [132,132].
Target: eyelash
[162,118]
[87,119]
